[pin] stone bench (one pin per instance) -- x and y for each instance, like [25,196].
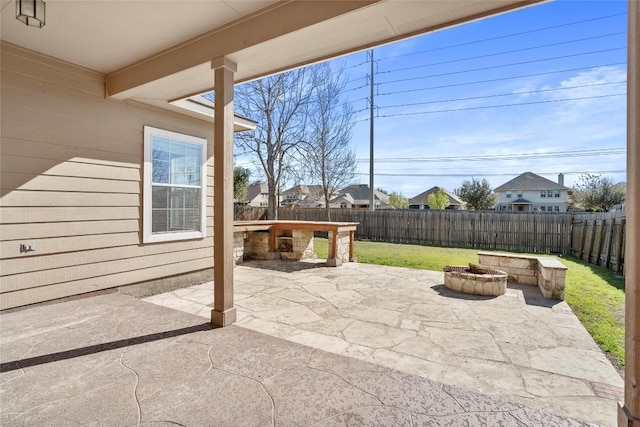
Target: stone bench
[545,272]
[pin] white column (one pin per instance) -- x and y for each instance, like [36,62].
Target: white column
[223,313]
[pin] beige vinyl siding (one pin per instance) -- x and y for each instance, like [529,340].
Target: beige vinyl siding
[71,171]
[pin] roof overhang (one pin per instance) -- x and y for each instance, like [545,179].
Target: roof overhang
[157,52]
[200,106]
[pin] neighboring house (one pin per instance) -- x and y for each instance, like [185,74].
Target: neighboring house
[258,195]
[530,192]
[358,196]
[307,196]
[421,201]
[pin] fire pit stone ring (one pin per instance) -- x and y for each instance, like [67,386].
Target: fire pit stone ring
[475,280]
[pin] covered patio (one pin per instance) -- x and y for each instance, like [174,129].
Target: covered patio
[77,95]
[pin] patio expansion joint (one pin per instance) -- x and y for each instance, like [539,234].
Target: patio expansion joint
[493,410]
[125,317]
[391,347]
[351,384]
[213,367]
[135,387]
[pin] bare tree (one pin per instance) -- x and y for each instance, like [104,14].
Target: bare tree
[327,155]
[278,103]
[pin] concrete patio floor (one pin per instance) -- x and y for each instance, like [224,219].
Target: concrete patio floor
[114,360]
[519,346]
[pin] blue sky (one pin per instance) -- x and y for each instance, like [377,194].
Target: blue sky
[532,60]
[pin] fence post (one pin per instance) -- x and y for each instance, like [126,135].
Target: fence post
[594,237]
[615,263]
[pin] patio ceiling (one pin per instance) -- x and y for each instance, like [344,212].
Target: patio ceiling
[159,51]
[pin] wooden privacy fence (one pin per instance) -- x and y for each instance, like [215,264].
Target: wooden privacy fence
[598,238]
[248,213]
[521,232]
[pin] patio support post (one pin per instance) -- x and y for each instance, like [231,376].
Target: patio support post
[223,313]
[629,411]
[352,236]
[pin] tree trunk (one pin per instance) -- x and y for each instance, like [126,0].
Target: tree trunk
[272,209]
[327,207]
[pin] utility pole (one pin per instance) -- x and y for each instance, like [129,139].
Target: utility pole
[372,203]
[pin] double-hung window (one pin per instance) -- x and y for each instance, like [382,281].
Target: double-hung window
[174,186]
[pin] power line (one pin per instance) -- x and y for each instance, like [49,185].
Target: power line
[356,65]
[497,53]
[356,79]
[500,157]
[501,105]
[356,88]
[481,81]
[499,95]
[483,107]
[505,36]
[358,100]
[500,79]
[505,65]
[461,175]
[513,156]
[485,81]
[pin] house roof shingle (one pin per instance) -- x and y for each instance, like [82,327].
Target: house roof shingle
[530,181]
[256,189]
[424,197]
[359,194]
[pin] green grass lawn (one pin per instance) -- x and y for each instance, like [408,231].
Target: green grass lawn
[594,293]
[597,298]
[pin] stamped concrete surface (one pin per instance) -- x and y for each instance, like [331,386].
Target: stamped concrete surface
[114,360]
[519,346]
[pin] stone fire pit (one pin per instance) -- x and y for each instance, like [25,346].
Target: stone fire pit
[475,280]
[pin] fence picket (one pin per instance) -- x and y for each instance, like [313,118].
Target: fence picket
[595,237]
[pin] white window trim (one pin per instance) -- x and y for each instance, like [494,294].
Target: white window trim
[147,235]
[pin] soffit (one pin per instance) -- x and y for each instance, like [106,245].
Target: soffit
[368,26]
[161,49]
[108,35]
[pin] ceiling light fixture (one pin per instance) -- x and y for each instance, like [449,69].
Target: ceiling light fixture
[31,12]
